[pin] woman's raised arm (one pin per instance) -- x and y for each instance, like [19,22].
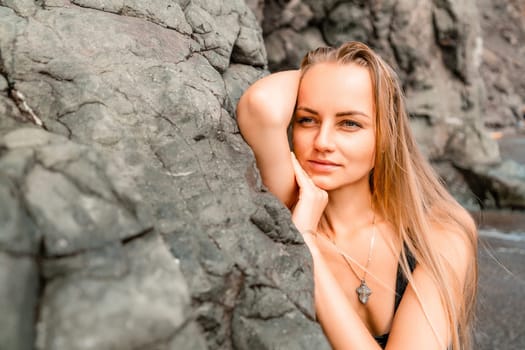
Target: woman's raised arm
[263,114]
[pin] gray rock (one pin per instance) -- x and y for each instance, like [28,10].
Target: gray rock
[257,7]
[23,8]
[3,84]
[165,13]
[343,22]
[502,62]
[146,305]
[18,234]
[249,46]
[286,47]
[29,137]
[143,166]
[19,294]
[272,333]
[56,202]
[498,185]
[65,181]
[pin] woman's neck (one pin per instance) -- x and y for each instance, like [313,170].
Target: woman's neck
[348,209]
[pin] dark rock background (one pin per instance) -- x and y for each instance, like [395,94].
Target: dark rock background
[503,66]
[131,212]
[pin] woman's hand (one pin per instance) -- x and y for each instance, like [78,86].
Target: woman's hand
[311,203]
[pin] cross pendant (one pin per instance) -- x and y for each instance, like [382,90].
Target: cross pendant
[363,292]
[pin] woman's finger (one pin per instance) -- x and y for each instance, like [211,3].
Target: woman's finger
[301,176]
[305,182]
[312,200]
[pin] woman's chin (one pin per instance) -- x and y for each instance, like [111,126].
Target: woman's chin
[324,185]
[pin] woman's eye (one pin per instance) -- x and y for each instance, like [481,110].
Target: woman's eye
[305,120]
[350,124]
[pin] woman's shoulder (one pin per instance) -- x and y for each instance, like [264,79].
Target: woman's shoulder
[455,240]
[452,223]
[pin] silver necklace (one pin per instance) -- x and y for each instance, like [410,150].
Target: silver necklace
[363,291]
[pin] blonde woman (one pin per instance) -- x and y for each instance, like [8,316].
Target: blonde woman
[394,254]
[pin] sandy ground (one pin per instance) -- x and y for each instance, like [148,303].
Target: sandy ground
[501,299]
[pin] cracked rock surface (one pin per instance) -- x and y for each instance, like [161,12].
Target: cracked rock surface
[134,217]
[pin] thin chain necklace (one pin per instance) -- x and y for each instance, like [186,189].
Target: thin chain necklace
[363,291]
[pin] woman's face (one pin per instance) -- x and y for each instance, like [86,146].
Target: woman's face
[333,126]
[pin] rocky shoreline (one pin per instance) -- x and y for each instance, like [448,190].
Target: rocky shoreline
[133,213]
[512,146]
[504,221]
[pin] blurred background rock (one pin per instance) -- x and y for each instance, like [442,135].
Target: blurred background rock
[131,212]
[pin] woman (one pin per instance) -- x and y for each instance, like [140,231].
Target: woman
[394,254]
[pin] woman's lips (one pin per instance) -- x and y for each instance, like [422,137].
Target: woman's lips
[322,165]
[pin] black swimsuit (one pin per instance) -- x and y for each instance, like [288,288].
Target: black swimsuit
[401,285]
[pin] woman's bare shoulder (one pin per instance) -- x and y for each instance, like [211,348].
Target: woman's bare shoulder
[456,241]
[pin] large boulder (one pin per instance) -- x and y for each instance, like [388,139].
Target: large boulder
[437,49]
[82,267]
[132,212]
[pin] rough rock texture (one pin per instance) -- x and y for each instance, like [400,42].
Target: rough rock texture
[437,49]
[138,220]
[78,257]
[503,67]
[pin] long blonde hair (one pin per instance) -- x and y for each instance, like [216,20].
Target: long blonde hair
[405,189]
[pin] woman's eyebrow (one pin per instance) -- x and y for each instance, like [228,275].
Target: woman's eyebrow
[306,109]
[346,113]
[338,114]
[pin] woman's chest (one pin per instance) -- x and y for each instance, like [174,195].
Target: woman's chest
[368,281]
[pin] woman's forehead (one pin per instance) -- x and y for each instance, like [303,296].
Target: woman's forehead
[334,85]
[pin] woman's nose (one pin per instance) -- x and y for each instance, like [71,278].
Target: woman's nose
[324,141]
